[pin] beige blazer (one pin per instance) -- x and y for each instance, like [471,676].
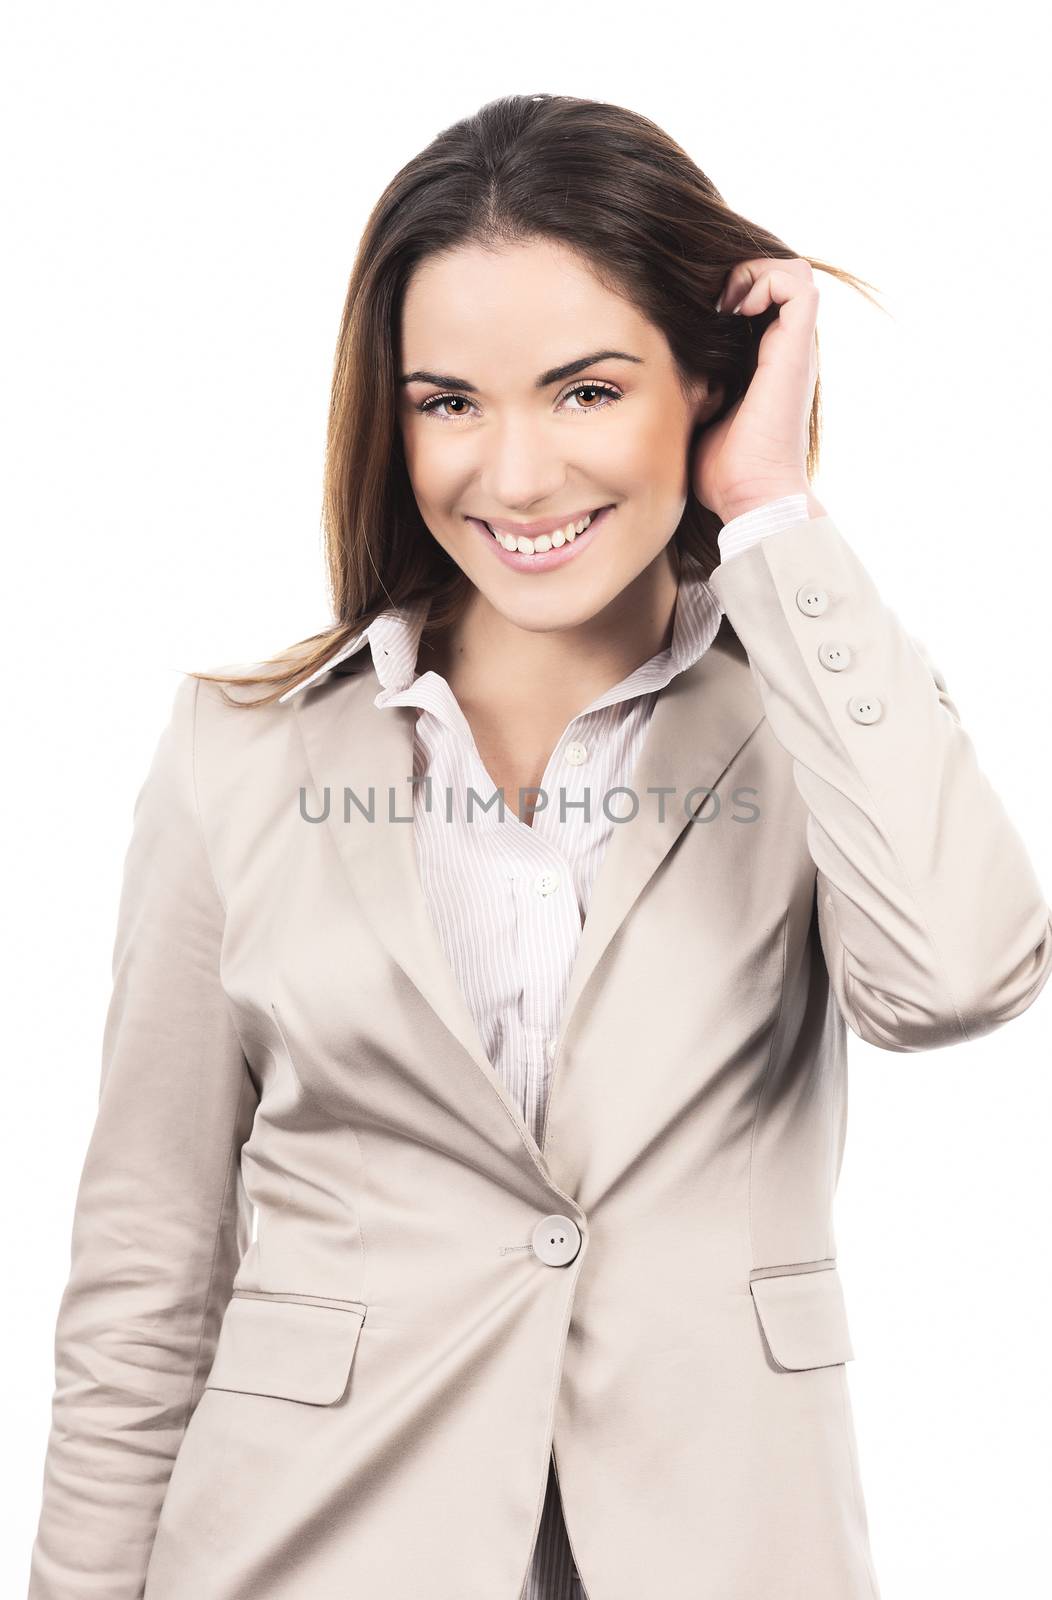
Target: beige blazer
[357,1395]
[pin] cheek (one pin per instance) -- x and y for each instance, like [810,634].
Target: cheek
[430,467]
[652,455]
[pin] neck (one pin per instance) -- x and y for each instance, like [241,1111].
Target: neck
[487,659]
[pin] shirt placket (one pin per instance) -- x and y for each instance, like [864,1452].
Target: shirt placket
[549,913]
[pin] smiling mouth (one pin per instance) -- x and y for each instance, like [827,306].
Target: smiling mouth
[544,541]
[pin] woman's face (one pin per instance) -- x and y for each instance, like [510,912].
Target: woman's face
[505,422]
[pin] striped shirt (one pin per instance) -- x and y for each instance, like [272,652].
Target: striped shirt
[509,899]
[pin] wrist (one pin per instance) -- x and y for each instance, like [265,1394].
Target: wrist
[750,500]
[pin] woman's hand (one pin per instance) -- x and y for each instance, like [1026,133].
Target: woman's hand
[758,451]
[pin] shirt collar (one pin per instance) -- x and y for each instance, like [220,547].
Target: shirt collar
[394,640]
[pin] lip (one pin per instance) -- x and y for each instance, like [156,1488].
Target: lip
[533,530]
[547,559]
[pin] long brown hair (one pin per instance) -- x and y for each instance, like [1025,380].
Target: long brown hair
[651,226]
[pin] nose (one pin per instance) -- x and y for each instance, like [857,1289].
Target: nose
[521,468]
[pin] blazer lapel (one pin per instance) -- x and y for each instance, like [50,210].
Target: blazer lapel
[700,721]
[352,743]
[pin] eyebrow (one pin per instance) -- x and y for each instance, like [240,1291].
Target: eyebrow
[553,375]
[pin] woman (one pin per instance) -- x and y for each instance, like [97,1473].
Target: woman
[482,1331]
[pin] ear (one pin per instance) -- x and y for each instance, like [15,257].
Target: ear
[708,398]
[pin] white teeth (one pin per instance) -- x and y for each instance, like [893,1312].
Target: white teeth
[544,541]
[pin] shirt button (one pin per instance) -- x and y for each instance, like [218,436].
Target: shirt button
[576,753]
[556,1240]
[811,599]
[834,656]
[865,708]
[546,882]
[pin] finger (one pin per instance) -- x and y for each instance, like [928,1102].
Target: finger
[787,372]
[790,278]
[745,274]
[797,301]
[737,283]
[788,349]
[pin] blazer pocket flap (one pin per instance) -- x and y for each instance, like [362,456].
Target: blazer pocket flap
[804,1318]
[291,1349]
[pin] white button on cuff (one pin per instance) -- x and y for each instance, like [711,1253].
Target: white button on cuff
[834,656]
[811,599]
[546,882]
[865,708]
[556,1240]
[576,753]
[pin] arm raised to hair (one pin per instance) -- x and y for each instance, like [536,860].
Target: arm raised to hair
[933,925]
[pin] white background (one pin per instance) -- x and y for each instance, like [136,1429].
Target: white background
[184,191]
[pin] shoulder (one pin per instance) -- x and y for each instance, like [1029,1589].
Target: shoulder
[221,719]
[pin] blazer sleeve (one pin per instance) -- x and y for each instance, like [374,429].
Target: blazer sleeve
[155,1233]
[933,926]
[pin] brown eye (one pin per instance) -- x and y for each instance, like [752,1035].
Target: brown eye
[606,393]
[437,400]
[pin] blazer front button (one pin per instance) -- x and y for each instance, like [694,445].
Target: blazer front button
[811,599]
[865,707]
[556,1240]
[834,656]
